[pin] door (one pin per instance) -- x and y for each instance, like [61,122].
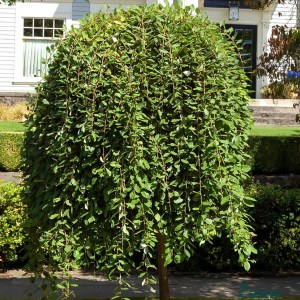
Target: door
[248,35]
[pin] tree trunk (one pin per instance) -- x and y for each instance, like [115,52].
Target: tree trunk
[164,293]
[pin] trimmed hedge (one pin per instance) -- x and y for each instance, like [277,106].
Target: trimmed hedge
[275,155]
[10,149]
[12,215]
[276,223]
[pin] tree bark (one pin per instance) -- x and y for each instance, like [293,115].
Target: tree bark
[164,293]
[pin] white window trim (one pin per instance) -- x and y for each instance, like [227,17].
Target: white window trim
[35,10]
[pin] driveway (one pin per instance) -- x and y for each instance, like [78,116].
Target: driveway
[14,285]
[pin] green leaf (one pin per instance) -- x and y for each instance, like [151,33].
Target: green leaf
[246,168]
[124,229]
[120,268]
[225,200]
[137,189]
[157,217]
[179,200]
[77,254]
[145,194]
[45,102]
[54,216]
[168,259]
[60,286]
[147,166]
[66,213]
[246,266]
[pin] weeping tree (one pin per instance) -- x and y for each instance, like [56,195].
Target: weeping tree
[134,150]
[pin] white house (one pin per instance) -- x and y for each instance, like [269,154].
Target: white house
[26,29]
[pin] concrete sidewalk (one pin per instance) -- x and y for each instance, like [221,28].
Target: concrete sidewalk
[14,286]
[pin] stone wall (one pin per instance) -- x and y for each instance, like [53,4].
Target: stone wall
[12,98]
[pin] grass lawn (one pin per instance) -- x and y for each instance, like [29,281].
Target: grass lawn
[276,131]
[11,126]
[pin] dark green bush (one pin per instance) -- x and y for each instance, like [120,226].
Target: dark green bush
[276,220]
[10,148]
[12,215]
[277,225]
[275,155]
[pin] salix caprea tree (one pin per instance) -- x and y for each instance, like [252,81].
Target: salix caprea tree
[137,140]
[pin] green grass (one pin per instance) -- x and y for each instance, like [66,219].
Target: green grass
[282,131]
[11,126]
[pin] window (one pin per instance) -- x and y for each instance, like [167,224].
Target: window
[38,34]
[221,3]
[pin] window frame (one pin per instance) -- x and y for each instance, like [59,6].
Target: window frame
[221,4]
[43,28]
[38,34]
[43,10]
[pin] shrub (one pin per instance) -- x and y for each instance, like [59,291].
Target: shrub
[11,144]
[277,225]
[277,90]
[275,155]
[138,132]
[12,215]
[218,255]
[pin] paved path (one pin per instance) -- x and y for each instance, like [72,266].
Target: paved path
[15,286]
[10,176]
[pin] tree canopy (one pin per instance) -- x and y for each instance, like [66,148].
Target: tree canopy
[138,131]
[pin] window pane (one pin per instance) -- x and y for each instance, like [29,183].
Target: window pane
[48,23]
[38,22]
[34,52]
[27,31]
[215,3]
[247,48]
[48,33]
[38,32]
[239,34]
[59,23]
[248,34]
[222,3]
[28,22]
[43,28]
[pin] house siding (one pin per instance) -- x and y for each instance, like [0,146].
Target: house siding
[7,46]
[285,14]
[79,9]
[97,5]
